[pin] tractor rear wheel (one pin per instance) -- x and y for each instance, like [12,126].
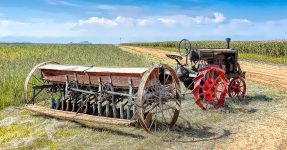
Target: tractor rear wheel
[210,88]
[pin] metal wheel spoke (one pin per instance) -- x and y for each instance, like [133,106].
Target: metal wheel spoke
[165,80]
[213,101]
[170,107]
[212,73]
[36,78]
[234,93]
[169,113]
[156,119]
[152,107]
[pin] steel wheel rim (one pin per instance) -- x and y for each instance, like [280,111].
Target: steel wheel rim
[159,108]
[31,77]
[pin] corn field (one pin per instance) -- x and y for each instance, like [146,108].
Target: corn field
[267,48]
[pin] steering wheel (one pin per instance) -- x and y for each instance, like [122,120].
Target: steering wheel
[184,47]
[176,57]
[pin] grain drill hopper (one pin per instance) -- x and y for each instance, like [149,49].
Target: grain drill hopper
[114,95]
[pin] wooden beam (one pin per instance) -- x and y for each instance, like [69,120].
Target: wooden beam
[78,117]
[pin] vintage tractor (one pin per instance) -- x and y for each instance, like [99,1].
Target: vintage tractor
[113,95]
[210,73]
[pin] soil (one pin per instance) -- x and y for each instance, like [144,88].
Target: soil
[267,131]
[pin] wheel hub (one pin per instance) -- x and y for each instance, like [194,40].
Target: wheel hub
[209,89]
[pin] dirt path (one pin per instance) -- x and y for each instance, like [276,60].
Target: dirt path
[264,73]
[268,131]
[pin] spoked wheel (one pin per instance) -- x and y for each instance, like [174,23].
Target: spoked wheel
[158,100]
[237,88]
[210,88]
[35,87]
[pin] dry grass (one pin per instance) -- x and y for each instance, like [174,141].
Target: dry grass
[195,129]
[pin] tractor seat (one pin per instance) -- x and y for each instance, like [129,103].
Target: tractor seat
[176,57]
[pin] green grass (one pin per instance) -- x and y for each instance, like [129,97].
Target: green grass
[263,57]
[16,60]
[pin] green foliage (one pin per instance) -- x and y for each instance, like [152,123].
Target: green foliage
[266,48]
[263,57]
[16,60]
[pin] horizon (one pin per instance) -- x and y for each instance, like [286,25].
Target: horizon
[84,42]
[64,21]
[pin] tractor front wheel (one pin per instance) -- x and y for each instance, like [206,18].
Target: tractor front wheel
[237,88]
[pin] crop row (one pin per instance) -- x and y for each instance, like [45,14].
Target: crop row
[267,48]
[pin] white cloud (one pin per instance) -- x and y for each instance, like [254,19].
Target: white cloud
[5,23]
[39,29]
[150,27]
[121,19]
[98,21]
[216,19]
[278,22]
[106,7]
[241,21]
[62,2]
[167,21]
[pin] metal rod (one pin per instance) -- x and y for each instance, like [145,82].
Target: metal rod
[108,92]
[121,94]
[129,99]
[121,110]
[100,97]
[42,86]
[114,105]
[76,80]
[82,91]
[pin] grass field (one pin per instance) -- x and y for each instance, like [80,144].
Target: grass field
[16,60]
[275,51]
[195,129]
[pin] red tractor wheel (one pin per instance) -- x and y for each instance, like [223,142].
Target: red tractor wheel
[210,88]
[237,88]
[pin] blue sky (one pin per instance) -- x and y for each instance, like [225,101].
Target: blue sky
[107,21]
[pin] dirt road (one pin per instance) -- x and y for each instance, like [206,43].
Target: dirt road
[274,75]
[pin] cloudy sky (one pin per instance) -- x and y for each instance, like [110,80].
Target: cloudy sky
[108,21]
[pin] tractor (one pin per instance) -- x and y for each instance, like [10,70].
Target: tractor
[210,73]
